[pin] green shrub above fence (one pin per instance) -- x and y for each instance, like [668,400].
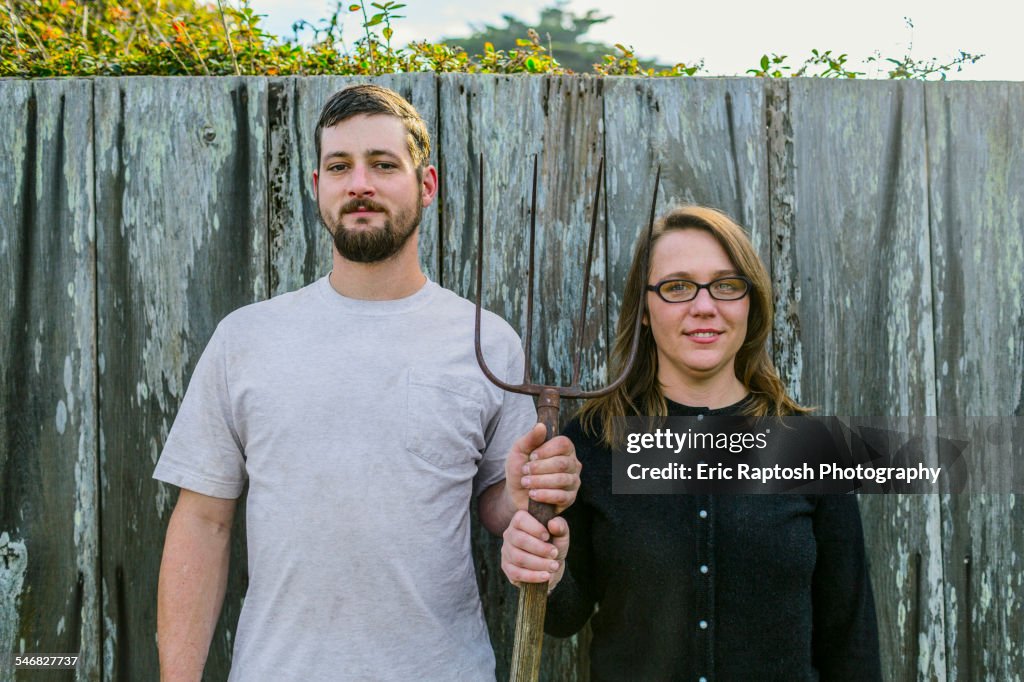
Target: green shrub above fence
[47,38]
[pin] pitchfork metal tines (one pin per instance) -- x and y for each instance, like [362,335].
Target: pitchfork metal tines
[533,597]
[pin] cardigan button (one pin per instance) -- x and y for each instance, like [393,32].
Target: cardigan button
[704,569]
[703,625]
[703,513]
[702,679]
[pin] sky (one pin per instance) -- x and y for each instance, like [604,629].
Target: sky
[731,36]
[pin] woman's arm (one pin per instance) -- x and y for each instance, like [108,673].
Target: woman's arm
[571,603]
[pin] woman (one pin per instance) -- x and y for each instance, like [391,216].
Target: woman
[700,587]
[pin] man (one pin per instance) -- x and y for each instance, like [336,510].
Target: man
[357,413]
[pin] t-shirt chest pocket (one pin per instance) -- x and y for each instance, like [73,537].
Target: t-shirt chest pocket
[447,419]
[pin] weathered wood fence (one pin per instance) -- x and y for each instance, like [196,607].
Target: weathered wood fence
[136,212]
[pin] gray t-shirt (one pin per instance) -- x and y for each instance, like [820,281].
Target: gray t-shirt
[363,428]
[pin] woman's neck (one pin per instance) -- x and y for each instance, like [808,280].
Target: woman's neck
[715,393]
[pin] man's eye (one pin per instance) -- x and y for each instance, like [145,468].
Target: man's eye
[384,165]
[335,167]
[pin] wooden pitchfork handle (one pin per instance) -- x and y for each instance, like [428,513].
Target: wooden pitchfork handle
[533,597]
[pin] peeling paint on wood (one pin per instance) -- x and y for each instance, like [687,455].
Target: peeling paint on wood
[13,566]
[48,444]
[976,193]
[182,204]
[852,253]
[787,350]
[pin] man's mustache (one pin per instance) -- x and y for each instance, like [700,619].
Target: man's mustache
[362,205]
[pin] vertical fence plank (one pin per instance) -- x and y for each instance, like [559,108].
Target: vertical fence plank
[860,318]
[510,120]
[786,348]
[300,247]
[572,149]
[181,197]
[976,173]
[48,519]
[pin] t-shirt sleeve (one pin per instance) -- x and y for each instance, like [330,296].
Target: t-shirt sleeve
[516,416]
[203,452]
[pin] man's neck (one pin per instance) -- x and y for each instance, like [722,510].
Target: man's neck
[394,278]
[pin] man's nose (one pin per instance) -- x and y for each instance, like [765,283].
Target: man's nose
[359,182]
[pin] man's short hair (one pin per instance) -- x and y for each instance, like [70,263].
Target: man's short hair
[372,100]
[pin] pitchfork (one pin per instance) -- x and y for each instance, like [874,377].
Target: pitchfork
[529,635]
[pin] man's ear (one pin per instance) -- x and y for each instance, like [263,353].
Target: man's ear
[316,184]
[428,186]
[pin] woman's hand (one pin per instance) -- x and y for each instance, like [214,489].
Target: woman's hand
[532,553]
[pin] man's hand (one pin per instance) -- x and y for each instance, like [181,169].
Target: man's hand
[546,472]
[534,470]
[531,553]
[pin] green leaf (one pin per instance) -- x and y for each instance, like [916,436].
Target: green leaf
[354,8]
[523,42]
[387,33]
[764,62]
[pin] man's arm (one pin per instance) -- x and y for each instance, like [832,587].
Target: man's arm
[193,579]
[534,470]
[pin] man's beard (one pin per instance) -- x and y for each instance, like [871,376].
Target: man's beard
[375,244]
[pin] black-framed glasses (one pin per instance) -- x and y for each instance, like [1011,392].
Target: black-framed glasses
[731,288]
